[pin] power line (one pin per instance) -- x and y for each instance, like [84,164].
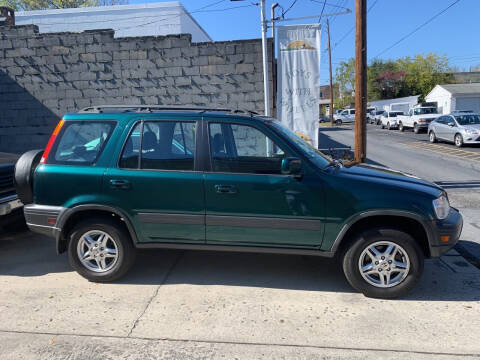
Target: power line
[128,18]
[200,10]
[329,4]
[418,28]
[289,8]
[353,27]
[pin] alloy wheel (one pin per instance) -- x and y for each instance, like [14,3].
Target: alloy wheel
[384,264]
[97,251]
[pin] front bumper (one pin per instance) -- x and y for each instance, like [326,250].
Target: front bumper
[9,204]
[451,227]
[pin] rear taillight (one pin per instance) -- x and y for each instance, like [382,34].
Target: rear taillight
[51,141]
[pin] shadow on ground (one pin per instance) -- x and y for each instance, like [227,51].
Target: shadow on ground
[25,254]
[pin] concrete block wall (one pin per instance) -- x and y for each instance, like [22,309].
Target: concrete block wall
[43,76]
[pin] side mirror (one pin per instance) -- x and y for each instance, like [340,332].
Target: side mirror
[291,166]
[451,124]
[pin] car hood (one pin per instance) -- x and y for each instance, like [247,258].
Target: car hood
[391,177]
[472,126]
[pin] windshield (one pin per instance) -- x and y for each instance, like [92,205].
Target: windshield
[470,119]
[423,111]
[308,150]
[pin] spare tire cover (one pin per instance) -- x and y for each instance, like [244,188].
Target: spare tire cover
[24,170]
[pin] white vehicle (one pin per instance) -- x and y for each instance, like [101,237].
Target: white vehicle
[346,116]
[389,119]
[418,118]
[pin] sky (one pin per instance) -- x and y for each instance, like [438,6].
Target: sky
[454,33]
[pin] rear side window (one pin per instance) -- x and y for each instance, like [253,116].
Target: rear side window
[81,142]
[165,145]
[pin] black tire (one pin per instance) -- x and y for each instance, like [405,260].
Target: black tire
[23,175]
[125,249]
[432,137]
[416,129]
[458,140]
[383,126]
[352,255]
[338,122]
[388,126]
[400,127]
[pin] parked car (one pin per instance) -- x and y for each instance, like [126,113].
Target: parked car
[418,118]
[459,128]
[10,205]
[324,119]
[389,119]
[346,116]
[114,179]
[378,117]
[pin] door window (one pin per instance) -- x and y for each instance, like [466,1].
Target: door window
[243,149]
[166,145]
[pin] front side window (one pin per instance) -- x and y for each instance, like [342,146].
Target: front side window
[165,145]
[243,149]
[81,142]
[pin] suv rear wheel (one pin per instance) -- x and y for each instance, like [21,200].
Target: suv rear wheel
[100,251]
[383,263]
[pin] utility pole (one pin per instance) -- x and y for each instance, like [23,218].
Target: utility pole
[360,80]
[266,85]
[330,70]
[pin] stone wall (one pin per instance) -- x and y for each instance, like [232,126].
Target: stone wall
[43,76]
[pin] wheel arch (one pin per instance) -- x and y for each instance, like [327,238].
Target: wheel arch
[71,216]
[409,222]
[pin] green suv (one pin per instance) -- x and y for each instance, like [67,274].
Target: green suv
[116,178]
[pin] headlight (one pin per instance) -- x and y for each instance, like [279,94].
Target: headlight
[441,207]
[472,132]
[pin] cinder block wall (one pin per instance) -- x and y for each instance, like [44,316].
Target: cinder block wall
[43,76]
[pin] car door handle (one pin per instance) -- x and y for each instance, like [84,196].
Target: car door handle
[120,184]
[225,189]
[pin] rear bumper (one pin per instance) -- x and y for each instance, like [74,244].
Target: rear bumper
[42,219]
[9,203]
[451,227]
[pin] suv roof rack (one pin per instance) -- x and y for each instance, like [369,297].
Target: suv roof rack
[151,108]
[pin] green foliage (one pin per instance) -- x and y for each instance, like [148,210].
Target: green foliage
[26,5]
[388,79]
[345,81]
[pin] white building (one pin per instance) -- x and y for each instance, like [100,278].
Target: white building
[162,18]
[452,97]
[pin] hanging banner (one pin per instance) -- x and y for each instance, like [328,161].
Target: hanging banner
[298,92]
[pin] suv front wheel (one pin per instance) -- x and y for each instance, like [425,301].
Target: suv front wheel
[383,263]
[100,250]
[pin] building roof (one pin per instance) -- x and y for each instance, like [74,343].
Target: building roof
[462,89]
[157,18]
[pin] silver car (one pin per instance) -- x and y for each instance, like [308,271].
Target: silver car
[459,128]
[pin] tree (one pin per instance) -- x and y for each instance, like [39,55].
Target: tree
[384,80]
[345,80]
[423,72]
[25,5]
[388,79]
